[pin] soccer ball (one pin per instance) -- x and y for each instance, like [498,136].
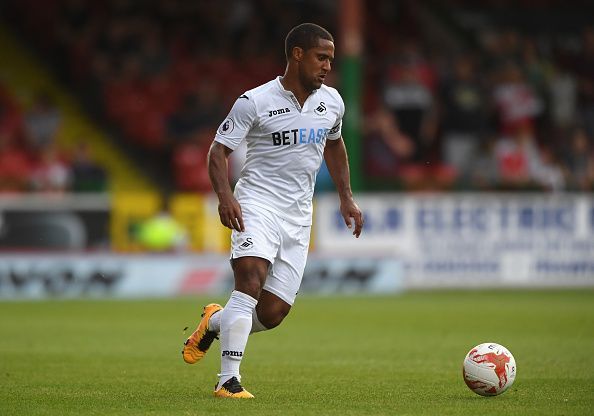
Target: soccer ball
[489,369]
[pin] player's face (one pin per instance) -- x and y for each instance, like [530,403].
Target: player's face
[315,64]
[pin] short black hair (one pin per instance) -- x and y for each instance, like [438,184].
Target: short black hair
[305,36]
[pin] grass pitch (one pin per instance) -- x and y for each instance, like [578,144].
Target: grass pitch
[332,356]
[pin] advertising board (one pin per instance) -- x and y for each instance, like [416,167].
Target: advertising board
[471,239]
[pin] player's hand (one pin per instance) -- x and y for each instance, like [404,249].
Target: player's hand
[351,212]
[230,212]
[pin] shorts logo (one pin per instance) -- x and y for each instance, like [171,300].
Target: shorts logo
[227,127]
[321,109]
[247,243]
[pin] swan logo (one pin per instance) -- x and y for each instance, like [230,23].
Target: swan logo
[321,109]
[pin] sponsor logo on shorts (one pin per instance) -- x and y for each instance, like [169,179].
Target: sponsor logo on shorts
[232,353]
[247,243]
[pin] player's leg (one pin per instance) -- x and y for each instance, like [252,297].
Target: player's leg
[252,252]
[236,322]
[214,322]
[284,278]
[262,295]
[250,273]
[270,312]
[260,240]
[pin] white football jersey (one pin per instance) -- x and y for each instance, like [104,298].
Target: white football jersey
[285,146]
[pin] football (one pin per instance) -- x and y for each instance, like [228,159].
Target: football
[489,369]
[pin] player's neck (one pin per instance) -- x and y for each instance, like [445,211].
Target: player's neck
[291,83]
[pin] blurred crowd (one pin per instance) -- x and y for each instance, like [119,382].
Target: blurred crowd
[30,158]
[502,110]
[505,111]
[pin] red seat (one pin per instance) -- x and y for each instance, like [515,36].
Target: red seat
[189,165]
[146,128]
[162,94]
[123,101]
[15,170]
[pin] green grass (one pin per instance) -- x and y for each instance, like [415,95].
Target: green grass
[332,356]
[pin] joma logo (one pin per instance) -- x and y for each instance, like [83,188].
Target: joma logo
[233,353]
[279,111]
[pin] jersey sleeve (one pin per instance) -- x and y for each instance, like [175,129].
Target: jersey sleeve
[336,130]
[238,123]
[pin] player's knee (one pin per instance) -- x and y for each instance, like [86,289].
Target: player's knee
[250,284]
[249,277]
[273,318]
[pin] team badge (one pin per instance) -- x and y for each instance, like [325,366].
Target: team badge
[321,109]
[247,243]
[227,127]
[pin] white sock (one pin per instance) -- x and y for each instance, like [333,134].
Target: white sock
[236,323]
[257,326]
[214,323]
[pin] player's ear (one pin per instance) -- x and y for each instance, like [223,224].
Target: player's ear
[297,53]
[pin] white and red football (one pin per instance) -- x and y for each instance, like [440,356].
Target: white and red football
[489,369]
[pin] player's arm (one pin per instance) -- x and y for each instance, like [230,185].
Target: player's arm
[218,168]
[338,165]
[229,135]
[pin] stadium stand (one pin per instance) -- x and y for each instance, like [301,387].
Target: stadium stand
[500,101]
[505,103]
[29,155]
[43,129]
[141,68]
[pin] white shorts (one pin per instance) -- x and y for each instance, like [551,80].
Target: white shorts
[283,244]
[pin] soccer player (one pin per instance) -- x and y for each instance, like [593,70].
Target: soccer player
[289,124]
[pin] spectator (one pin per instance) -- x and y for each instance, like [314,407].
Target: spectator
[51,173]
[42,123]
[536,68]
[518,158]
[579,159]
[548,173]
[387,148]
[584,68]
[563,98]
[87,175]
[484,168]
[463,115]
[408,94]
[516,102]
